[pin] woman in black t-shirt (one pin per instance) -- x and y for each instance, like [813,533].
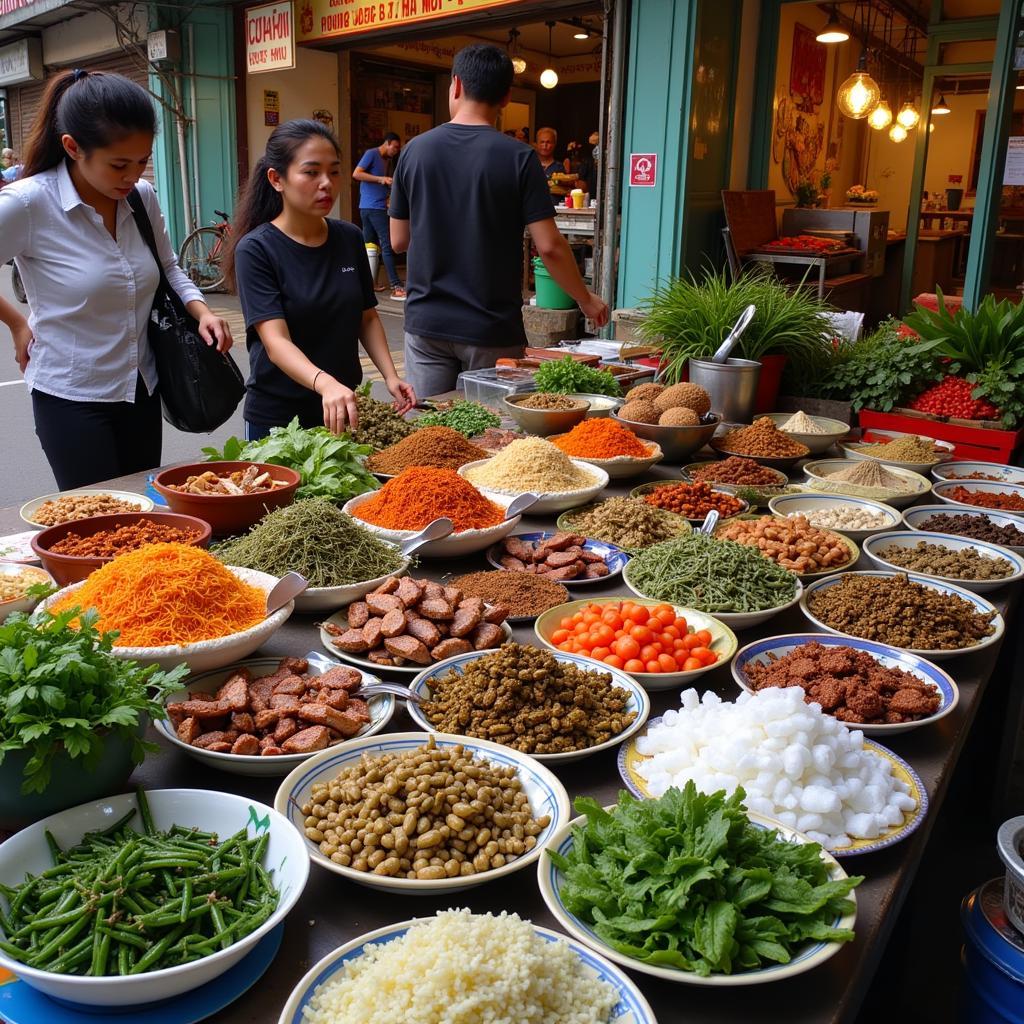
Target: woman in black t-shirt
[306,291]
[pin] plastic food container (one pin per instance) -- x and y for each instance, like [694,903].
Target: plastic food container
[489,386]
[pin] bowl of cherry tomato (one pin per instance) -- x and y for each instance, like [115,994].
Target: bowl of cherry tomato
[660,645]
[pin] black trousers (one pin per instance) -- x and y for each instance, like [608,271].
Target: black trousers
[88,442]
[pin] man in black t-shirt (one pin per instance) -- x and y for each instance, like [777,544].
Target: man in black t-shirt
[462,194]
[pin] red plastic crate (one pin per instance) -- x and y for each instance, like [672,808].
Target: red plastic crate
[981,443]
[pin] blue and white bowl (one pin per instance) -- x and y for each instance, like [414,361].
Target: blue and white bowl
[904,539]
[632,1007]
[913,518]
[764,651]
[614,557]
[785,505]
[546,795]
[941,489]
[550,881]
[980,604]
[1009,474]
[639,702]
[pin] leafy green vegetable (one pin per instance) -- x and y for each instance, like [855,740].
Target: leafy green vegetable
[1001,382]
[468,418]
[568,376]
[687,881]
[61,688]
[331,465]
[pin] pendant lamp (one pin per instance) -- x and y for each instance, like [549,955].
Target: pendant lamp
[833,32]
[860,93]
[942,107]
[881,117]
[908,115]
[518,64]
[549,76]
[897,132]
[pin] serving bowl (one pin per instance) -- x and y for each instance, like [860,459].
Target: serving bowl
[226,513]
[913,518]
[819,478]
[550,881]
[800,504]
[26,603]
[1010,843]
[565,522]
[677,443]
[206,655]
[779,479]
[723,640]
[549,501]
[932,654]
[382,707]
[614,557]
[315,600]
[942,488]
[905,539]
[639,702]
[621,467]
[651,486]
[206,810]
[736,620]
[542,422]
[953,470]
[943,453]
[836,430]
[601,406]
[546,794]
[632,1007]
[767,650]
[466,542]
[783,463]
[28,510]
[67,569]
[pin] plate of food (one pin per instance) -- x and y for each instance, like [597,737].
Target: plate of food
[561,556]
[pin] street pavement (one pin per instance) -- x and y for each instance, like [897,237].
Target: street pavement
[25,473]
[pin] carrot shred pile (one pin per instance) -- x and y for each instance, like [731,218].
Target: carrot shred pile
[164,594]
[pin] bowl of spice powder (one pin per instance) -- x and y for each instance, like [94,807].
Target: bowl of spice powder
[610,446]
[867,478]
[436,447]
[900,451]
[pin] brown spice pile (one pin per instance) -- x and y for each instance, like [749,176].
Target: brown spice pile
[72,507]
[109,543]
[522,594]
[735,470]
[544,400]
[762,439]
[436,447]
[629,523]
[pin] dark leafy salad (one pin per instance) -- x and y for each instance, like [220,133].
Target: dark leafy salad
[687,881]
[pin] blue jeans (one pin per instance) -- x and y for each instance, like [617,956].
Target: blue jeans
[376,228]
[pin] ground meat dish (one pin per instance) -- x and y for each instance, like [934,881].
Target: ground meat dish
[849,684]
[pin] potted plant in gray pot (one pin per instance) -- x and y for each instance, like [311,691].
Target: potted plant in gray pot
[72,715]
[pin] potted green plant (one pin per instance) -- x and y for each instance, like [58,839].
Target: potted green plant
[690,317]
[72,715]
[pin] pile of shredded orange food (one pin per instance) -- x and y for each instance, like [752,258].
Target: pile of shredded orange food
[164,594]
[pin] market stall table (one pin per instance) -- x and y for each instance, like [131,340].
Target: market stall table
[332,911]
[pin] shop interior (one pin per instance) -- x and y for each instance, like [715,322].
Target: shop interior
[858,94]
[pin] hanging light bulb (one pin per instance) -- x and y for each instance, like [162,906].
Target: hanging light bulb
[860,93]
[833,32]
[582,32]
[931,127]
[942,107]
[549,76]
[881,117]
[518,64]
[908,115]
[897,132]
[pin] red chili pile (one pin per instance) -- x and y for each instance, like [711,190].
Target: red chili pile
[952,397]
[808,243]
[1008,501]
[109,543]
[694,501]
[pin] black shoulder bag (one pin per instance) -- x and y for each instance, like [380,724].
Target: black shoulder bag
[199,387]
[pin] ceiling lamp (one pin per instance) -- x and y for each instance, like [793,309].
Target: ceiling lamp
[881,117]
[582,32]
[833,32]
[549,76]
[518,64]
[897,132]
[942,107]
[860,93]
[908,115]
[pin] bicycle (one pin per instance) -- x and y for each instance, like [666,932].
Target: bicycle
[202,252]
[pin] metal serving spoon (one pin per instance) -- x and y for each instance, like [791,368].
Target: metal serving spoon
[520,504]
[710,522]
[742,323]
[437,530]
[286,589]
[373,689]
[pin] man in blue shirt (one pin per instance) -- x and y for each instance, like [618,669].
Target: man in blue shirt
[372,173]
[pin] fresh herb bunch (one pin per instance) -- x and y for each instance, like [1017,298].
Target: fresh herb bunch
[568,376]
[468,418]
[1001,382]
[62,688]
[331,466]
[687,881]
[689,318]
[880,371]
[379,425]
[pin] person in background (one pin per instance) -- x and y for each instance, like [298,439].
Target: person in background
[91,279]
[11,168]
[305,287]
[373,172]
[464,308]
[547,140]
[6,158]
[584,167]
[523,135]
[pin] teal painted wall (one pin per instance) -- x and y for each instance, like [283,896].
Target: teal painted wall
[657,102]
[214,121]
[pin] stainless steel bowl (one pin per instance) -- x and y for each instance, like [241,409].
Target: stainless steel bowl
[601,406]
[543,422]
[1010,842]
[677,443]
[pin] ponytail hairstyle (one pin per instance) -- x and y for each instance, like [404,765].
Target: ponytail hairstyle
[258,201]
[95,108]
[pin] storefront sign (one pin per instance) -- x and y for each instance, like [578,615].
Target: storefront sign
[271,108]
[1014,172]
[21,62]
[326,19]
[269,38]
[10,6]
[643,170]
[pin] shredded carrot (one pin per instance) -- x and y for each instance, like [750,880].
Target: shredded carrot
[165,594]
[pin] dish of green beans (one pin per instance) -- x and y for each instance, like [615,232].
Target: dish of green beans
[123,902]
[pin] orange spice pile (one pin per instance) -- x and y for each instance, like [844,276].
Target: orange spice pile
[601,439]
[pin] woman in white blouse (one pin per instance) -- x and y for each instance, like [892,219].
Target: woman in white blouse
[91,279]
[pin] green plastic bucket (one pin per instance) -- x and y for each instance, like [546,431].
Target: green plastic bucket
[550,294]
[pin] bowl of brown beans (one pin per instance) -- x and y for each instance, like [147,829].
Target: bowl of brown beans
[71,551]
[1000,528]
[693,501]
[423,815]
[738,471]
[796,545]
[761,441]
